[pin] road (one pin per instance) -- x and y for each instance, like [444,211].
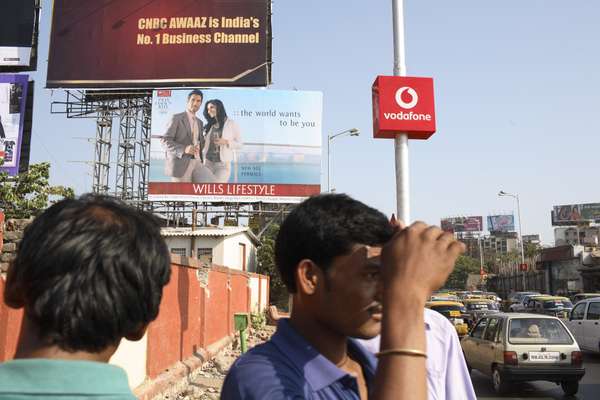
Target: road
[589,386]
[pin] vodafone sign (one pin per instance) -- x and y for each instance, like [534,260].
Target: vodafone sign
[403,104]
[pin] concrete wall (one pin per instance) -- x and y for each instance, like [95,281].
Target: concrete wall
[131,356]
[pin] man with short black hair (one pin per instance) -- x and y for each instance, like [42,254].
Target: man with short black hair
[183,143]
[352,274]
[88,273]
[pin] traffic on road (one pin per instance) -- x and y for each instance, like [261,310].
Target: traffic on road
[531,345]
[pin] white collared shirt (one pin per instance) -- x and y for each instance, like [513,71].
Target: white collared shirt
[447,374]
[194,126]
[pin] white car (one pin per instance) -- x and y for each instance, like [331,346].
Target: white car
[584,324]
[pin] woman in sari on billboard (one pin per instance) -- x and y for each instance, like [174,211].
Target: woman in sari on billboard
[221,140]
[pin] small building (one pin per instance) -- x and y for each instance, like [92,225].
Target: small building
[229,246]
[576,235]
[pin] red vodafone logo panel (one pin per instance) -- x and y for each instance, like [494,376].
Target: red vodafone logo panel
[403,104]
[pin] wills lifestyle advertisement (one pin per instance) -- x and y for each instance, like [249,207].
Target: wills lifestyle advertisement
[159,43]
[13,96]
[235,145]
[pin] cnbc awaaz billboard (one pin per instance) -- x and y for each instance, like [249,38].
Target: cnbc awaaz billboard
[235,145]
[159,43]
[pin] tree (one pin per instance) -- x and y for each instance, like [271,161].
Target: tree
[266,265]
[29,193]
[464,266]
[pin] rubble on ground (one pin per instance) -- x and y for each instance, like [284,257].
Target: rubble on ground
[205,383]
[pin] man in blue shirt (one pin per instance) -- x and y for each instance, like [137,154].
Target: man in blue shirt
[344,264]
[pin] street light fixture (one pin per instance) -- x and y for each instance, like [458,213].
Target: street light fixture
[347,132]
[516,196]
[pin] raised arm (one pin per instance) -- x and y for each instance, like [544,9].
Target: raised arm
[415,262]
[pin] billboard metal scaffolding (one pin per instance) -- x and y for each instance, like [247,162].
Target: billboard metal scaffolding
[132,110]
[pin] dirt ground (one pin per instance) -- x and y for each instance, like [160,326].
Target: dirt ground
[205,384]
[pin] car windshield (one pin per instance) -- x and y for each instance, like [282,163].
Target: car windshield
[448,311]
[481,306]
[537,331]
[558,304]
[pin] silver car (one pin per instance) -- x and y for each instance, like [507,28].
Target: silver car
[519,347]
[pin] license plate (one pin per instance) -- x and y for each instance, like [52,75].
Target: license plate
[455,313]
[539,356]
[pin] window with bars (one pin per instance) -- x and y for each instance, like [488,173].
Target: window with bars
[205,255]
[180,251]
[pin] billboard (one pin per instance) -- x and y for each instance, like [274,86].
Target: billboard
[462,224]
[403,104]
[13,97]
[17,18]
[573,214]
[160,43]
[267,148]
[501,223]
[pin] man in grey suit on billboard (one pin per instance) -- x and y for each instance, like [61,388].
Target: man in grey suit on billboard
[183,141]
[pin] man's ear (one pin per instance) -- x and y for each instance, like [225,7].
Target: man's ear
[308,277]
[138,334]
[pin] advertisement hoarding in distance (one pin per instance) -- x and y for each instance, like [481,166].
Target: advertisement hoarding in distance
[573,214]
[13,97]
[268,148]
[501,223]
[17,18]
[462,224]
[160,43]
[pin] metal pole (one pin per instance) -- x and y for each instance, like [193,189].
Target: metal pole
[521,238]
[328,164]
[401,140]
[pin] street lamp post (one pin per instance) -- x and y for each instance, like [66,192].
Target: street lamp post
[347,132]
[516,196]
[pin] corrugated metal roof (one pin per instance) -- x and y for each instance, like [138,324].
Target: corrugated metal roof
[204,231]
[211,231]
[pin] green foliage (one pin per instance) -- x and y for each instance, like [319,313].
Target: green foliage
[464,266]
[29,193]
[258,320]
[266,266]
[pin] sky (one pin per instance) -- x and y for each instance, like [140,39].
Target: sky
[517,94]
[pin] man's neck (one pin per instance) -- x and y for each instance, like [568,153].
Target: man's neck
[30,346]
[330,344]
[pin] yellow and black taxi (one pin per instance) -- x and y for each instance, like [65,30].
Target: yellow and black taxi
[454,311]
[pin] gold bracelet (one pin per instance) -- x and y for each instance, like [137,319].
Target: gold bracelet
[402,352]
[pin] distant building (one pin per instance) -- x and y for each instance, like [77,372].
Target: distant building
[502,243]
[230,246]
[573,235]
[533,239]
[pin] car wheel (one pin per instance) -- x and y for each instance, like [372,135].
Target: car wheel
[570,387]
[500,385]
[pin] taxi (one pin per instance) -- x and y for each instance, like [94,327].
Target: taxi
[556,306]
[454,311]
[477,308]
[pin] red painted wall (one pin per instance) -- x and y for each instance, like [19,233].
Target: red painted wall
[10,326]
[191,317]
[217,306]
[177,332]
